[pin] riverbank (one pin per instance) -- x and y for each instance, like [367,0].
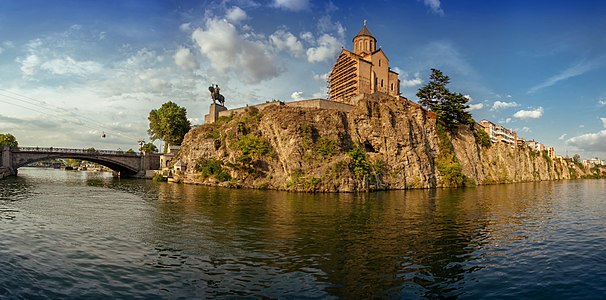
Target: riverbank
[382,143]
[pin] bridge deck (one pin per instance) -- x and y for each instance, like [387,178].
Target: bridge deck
[75,151]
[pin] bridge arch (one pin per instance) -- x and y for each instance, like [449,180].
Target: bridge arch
[112,164]
[128,164]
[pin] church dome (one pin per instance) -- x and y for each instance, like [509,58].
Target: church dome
[364,43]
[364,32]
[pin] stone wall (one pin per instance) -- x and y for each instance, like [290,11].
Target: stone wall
[312,103]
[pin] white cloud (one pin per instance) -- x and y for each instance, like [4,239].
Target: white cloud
[501,104]
[573,71]
[185,59]
[186,27]
[476,106]
[562,137]
[328,48]
[70,66]
[589,141]
[292,5]
[296,96]
[321,77]
[236,15]
[229,51]
[603,121]
[284,40]
[525,129]
[581,126]
[529,114]
[434,6]
[30,64]
[326,25]
[601,102]
[307,36]
[409,82]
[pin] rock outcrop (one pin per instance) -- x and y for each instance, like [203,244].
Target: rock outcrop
[381,144]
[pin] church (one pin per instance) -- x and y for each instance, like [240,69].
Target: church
[363,71]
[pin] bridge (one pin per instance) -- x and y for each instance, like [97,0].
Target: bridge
[128,164]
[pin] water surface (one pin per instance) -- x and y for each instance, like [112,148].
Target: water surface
[87,235]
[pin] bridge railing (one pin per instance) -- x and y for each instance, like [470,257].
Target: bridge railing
[77,151]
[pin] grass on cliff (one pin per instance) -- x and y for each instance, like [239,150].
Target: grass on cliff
[311,140]
[447,163]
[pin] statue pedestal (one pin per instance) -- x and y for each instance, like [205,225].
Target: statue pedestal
[213,113]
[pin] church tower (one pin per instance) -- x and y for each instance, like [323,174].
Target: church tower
[363,71]
[364,43]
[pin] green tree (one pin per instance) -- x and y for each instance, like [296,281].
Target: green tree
[130,150]
[149,148]
[168,123]
[449,107]
[7,139]
[576,159]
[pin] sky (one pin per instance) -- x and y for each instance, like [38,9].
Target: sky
[71,70]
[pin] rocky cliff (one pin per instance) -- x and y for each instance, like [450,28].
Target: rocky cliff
[382,143]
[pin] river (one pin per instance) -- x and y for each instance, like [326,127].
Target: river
[87,235]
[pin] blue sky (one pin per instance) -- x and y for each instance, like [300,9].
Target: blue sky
[71,70]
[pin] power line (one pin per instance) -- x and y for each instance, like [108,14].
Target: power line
[55,112]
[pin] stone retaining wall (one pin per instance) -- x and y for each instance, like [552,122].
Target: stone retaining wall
[312,103]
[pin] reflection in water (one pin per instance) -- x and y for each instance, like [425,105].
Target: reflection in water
[147,239]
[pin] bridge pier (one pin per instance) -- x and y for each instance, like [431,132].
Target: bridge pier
[7,161]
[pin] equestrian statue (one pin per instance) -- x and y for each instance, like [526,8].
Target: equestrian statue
[214,93]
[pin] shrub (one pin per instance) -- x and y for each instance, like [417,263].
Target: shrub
[447,163]
[253,145]
[359,165]
[326,147]
[158,177]
[545,155]
[482,138]
[451,170]
[212,167]
[379,166]
[308,134]
[224,119]
[214,134]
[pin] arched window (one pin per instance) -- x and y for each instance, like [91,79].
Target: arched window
[381,82]
[392,86]
[379,62]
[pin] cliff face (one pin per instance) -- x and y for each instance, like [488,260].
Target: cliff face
[382,143]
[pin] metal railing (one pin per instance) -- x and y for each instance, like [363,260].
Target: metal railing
[77,151]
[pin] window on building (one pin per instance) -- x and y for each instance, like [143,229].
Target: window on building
[381,82]
[392,86]
[379,62]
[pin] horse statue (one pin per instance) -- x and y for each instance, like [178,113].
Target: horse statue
[215,95]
